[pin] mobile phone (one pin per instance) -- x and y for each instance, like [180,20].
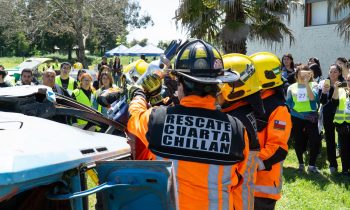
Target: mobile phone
[327,82]
[343,84]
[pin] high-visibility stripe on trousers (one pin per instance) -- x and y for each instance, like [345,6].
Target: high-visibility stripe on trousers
[212,188]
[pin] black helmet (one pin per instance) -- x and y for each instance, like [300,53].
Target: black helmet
[200,62]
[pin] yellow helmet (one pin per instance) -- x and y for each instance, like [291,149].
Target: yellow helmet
[268,67]
[134,70]
[247,84]
[77,66]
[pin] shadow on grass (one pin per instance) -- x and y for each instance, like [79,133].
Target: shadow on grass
[292,175]
[322,180]
[321,161]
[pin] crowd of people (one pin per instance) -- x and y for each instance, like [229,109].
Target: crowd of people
[318,110]
[224,121]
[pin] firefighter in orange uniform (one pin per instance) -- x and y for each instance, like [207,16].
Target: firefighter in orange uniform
[242,99]
[273,131]
[208,148]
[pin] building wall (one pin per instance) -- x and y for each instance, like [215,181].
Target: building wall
[320,41]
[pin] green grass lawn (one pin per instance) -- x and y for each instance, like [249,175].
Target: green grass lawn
[303,191]
[313,191]
[11,62]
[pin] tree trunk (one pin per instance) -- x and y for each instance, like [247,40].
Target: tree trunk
[69,51]
[80,36]
[235,47]
[235,41]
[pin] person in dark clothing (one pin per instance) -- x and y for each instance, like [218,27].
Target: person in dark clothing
[326,89]
[316,71]
[103,63]
[313,60]
[3,74]
[341,102]
[117,71]
[288,71]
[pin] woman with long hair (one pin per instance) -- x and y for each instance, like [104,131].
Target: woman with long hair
[326,89]
[343,63]
[302,100]
[103,68]
[106,82]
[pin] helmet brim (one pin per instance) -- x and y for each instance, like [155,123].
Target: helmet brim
[229,76]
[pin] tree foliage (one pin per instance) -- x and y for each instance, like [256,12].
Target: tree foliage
[87,24]
[343,26]
[232,22]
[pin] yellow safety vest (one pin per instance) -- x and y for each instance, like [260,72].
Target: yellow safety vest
[70,87]
[340,115]
[301,106]
[83,99]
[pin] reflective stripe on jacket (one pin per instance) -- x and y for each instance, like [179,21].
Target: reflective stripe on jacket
[244,194]
[274,148]
[200,186]
[340,115]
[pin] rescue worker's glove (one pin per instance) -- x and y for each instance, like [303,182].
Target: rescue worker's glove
[107,97]
[152,84]
[135,90]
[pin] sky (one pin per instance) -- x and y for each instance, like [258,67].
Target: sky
[164,28]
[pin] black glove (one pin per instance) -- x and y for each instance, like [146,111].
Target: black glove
[135,90]
[106,98]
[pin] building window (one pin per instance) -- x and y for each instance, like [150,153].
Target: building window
[319,12]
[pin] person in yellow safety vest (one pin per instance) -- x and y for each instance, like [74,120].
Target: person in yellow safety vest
[302,100]
[274,129]
[241,99]
[341,103]
[85,94]
[64,80]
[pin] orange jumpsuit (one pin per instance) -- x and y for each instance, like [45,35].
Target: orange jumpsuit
[273,139]
[244,194]
[200,186]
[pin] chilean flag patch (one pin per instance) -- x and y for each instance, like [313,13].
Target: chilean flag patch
[280,125]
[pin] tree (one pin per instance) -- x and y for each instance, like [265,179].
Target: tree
[90,24]
[232,22]
[163,44]
[343,26]
[143,42]
[121,40]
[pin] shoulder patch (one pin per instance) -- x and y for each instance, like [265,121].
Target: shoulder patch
[279,125]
